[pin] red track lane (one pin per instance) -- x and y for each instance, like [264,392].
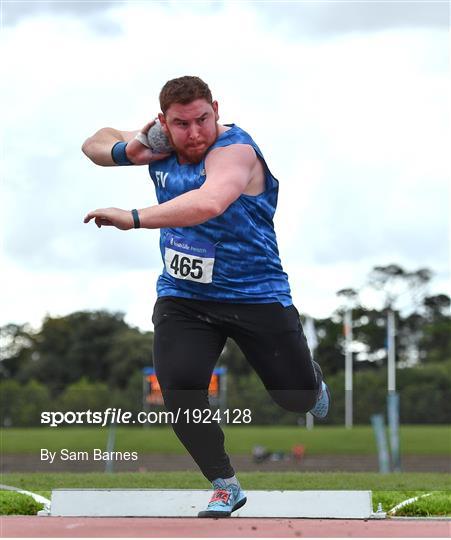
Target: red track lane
[51,527]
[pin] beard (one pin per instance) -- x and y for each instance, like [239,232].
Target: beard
[193,154]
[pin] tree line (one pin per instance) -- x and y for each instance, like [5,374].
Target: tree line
[95,359]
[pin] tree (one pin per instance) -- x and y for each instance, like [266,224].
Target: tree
[435,341]
[22,404]
[83,395]
[330,350]
[97,345]
[397,285]
[437,307]
[369,335]
[17,344]
[394,282]
[130,350]
[351,297]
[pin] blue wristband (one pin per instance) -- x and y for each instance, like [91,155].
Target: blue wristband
[119,155]
[136,222]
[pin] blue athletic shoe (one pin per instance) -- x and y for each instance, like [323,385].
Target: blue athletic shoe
[226,499]
[321,407]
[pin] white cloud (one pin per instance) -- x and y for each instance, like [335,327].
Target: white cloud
[353,126]
[325,19]
[47,292]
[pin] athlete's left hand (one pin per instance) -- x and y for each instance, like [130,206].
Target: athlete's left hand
[111,217]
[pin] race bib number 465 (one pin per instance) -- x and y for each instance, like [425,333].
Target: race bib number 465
[186,259]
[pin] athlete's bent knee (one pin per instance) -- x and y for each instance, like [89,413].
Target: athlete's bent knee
[299,401]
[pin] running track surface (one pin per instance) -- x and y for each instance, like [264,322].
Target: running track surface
[51,527]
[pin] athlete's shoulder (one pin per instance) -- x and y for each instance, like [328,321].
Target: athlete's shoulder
[239,154]
[233,135]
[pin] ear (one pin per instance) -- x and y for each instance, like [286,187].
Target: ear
[215,109]
[162,120]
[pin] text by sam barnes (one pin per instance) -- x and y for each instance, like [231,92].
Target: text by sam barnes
[96,454]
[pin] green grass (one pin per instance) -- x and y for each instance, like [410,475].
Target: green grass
[17,504]
[420,440]
[437,504]
[254,480]
[389,490]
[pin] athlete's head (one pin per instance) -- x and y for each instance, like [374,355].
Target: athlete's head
[189,117]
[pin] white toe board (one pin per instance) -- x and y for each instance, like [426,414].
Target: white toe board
[187,503]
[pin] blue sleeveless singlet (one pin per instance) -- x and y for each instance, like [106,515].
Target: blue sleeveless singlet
[231,258]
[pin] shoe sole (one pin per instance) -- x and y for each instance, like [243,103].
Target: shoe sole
[219,514]
[328,395]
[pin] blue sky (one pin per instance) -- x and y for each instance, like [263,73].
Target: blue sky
[347,100]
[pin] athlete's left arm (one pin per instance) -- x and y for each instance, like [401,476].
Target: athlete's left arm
[228,171]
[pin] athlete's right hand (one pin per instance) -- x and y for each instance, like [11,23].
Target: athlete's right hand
[140,154]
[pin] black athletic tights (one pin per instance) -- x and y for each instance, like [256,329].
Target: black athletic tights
[189,337]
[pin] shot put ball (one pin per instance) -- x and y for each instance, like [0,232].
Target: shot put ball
[157,140]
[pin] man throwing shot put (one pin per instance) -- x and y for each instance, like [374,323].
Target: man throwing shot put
[222,275]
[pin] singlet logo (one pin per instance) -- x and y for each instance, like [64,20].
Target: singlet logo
[161,178]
